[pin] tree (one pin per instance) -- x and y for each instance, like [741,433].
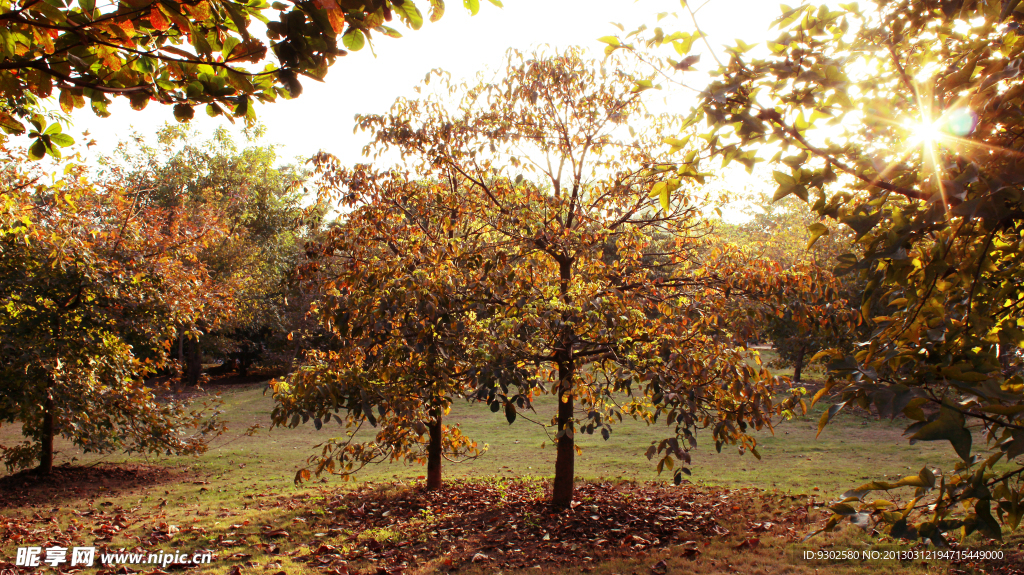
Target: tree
[784,231]
[89,284]
[903,121]
[401,285]
[260,205]
[178,52]
[581,301]
[810,310]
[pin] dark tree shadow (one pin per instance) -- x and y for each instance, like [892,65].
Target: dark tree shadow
[73,482]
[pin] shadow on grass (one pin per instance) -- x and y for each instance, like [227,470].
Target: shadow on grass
[67,483]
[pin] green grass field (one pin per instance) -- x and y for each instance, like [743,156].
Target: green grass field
[853,448]
[230,485]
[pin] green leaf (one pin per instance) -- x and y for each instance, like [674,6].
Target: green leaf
[229,44]
[676,143]
[411,14]
[642,85]
[828,415]
[354,39]
[436,10]
[183,112]
[843,509]
[801,122]
[985,522]
[783,178]
[472,5]
[62,140]
[138,102]
[817,230]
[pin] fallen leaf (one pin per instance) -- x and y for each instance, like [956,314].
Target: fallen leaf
[751,543]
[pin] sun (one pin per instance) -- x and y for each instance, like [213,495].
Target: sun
[925,133]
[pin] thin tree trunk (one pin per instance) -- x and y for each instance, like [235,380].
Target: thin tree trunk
[194,362]
[565,460]
[798,365]
[46,446]
[181,350]
[434,454]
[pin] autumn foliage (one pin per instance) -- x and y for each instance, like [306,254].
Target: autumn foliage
[566,272]
[900,121]
[91,286]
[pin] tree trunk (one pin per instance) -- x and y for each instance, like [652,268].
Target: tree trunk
[434,454]
[561,492]
[46,446]
[565,463]
[798,364]
[194,361]
[181,350]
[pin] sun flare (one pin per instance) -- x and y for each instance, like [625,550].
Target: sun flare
[925,133]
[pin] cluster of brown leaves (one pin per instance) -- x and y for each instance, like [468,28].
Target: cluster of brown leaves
[509,524]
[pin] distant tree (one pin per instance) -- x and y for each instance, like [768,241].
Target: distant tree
[810,312]
[91,284]
[402,283]
[266,227]
[789,232]
[810,309]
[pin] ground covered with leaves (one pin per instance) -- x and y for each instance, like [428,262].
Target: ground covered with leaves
[508,524]
[471,526]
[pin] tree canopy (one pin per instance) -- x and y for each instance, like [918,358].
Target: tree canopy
[259,204]
[401,282]
[902,121]
[591,286]
[183,53]
[811,310]
[91,286]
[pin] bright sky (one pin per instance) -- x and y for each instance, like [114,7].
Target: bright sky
[321,118]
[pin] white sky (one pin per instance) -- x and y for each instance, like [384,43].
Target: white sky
[321,118]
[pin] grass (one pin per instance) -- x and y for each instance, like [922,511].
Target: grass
[243,481]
